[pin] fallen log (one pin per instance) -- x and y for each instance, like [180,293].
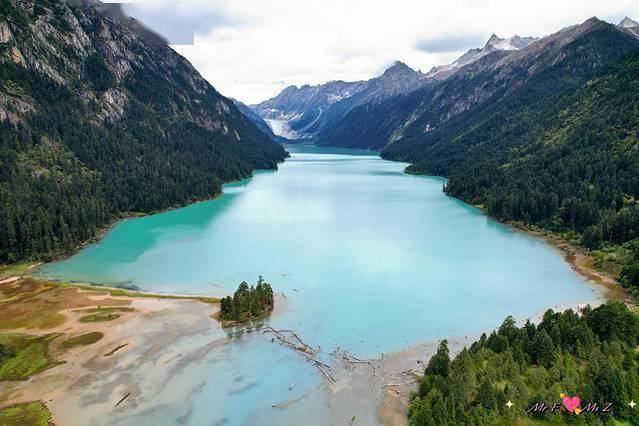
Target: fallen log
[122,400]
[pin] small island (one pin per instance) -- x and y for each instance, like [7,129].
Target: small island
[247,303]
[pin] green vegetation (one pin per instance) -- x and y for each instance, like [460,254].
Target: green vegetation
[28,414]
[74,163]
[25,355]
[5,353]
[15,269]
[247,302]
[103,314]
[107,316]
[83,340]
[592,355]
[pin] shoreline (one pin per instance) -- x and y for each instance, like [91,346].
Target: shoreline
[144,324]
[580,261]
[122,216]
[375,398]
[393,401]
[577,257]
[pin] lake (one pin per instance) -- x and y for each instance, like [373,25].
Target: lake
[369,259]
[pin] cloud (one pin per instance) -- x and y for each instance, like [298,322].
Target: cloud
[251,50]
[179,21]
[447,43]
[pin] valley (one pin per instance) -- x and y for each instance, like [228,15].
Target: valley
[433,247]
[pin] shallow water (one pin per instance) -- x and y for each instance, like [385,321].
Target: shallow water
[370,259]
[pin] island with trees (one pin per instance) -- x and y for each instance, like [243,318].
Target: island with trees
[247,303]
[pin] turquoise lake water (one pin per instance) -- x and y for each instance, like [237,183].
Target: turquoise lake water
[370,259]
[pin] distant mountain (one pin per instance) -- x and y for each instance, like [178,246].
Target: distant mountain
[314,112]
[493,44]
[375,125]
[302,113]
[629,25]
[259,121]
[593,44]
[99,119]
[296,112]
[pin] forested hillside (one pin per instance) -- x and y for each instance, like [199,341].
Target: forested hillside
[97,121]
[562,152]
[591,356]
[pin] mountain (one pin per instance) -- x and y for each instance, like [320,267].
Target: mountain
[630,26]
[563,61]
[296,112]
[375,125]
[97,120]
[493,44]
[314,112]
[302,113]
[628,23]
[259,121]
[557,146]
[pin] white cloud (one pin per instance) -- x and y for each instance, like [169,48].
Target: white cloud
[251,49]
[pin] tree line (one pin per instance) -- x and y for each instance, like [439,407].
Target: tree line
[591,354]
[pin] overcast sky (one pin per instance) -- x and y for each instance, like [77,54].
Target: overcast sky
[252,49]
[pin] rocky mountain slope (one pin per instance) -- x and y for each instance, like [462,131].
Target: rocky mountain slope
[493,75]
[97,119]
[494,44]
[630,26]
[316,113]
[303,113]
[259,121]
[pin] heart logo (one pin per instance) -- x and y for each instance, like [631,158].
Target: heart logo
[571,403]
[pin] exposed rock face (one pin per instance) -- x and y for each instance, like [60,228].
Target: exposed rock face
[113,103]
[59,41]
[309,110]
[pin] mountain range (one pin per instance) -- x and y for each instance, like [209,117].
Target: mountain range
[326,114]
[98,119]
[307,112]
[304,112]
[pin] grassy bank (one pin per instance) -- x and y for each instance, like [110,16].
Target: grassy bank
[25,355]
[28,414]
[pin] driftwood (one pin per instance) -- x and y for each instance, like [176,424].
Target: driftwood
[297,344]
[122,400]
[302,348]
[347,358]
[288,403]
[403,378]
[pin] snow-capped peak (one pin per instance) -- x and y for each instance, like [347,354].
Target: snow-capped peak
[494,43]
[628,23]
[513,43]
